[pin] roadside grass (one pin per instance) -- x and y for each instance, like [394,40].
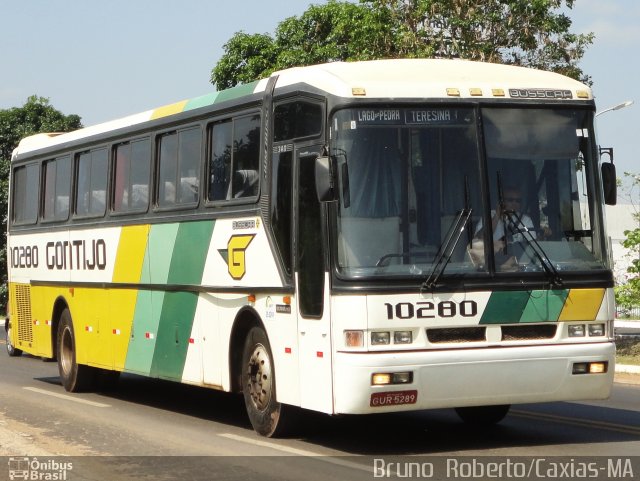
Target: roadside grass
[628,350]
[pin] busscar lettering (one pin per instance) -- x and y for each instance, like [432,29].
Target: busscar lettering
[540,94]
[77,254]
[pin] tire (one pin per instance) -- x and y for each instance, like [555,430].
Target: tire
[11,349]
[75,377]
[268,417]
[483,415]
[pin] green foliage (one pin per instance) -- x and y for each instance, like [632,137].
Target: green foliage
[628,294]
[532,34]
[35,116]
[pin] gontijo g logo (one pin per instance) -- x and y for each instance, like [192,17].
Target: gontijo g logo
[234,254]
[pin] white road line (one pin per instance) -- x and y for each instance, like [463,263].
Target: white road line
[67,398]
[300,452]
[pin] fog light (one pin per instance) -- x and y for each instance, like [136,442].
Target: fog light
[384,378]
[576,330]
[596,329]
[354,338]
[378,338]
[590,367]
[580,368]
[381,378]
[402,337]
[402,378]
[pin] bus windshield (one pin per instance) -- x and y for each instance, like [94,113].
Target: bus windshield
[412,196]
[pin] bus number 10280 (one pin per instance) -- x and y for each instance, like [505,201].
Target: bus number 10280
[430,310]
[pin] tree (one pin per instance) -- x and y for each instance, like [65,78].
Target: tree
[628,294]
[35,116]
[532,34]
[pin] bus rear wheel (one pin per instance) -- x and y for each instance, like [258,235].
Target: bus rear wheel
[483,415]
[75,377]
[12,350]
[268,417]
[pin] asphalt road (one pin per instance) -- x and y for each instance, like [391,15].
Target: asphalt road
[169,431]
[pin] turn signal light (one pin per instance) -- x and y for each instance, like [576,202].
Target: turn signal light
[354,338]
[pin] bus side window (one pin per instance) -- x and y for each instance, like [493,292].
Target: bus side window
[91,183]
[57,187]
[131,178]
[25,194]
[235,159]
[246,157]
[220,161]
[178,171]
[295,120]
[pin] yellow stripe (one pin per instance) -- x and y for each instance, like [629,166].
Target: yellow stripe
[582,305]
[133,242]
[128,268]
[168,110]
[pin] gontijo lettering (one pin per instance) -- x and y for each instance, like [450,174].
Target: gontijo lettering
[76,254]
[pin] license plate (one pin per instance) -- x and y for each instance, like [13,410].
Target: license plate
[380,399]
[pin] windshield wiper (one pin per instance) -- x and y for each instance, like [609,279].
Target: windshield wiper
[446,250]
[520,228]
[525,233]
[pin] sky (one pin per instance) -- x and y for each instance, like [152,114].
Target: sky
[107,59]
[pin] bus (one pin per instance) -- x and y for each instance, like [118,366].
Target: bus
[314,241]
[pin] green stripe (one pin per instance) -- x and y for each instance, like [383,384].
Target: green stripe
[178,308]
[237,91]
[505,307]
[544,306]
[155,269]
[202,101]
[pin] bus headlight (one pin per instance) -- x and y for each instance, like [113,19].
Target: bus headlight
[402,337]
[379,338]
[596,330]
[576,330]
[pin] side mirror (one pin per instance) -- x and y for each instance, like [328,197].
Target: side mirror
[325,179]
[609,183]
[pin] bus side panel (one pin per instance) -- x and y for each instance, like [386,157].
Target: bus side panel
[89,309]
[146,321]
[122,302]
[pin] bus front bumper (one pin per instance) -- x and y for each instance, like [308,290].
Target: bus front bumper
[471,377]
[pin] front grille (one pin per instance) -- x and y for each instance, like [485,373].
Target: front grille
[526,332]
[456,334]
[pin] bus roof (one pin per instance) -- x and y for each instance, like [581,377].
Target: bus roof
[397,78]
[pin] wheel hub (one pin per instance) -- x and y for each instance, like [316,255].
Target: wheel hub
[259,377]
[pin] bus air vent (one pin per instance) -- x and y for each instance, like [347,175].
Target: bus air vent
[23,311]
[456,334]
[529,332]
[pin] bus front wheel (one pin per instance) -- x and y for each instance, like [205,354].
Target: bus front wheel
[483,415]
[75,377]
[266,414]
[12,350]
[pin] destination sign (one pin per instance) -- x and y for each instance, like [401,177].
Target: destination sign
[426,116]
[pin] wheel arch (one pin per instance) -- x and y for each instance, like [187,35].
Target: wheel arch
[246,319]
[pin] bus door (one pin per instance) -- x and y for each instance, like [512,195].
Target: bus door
[314,326]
